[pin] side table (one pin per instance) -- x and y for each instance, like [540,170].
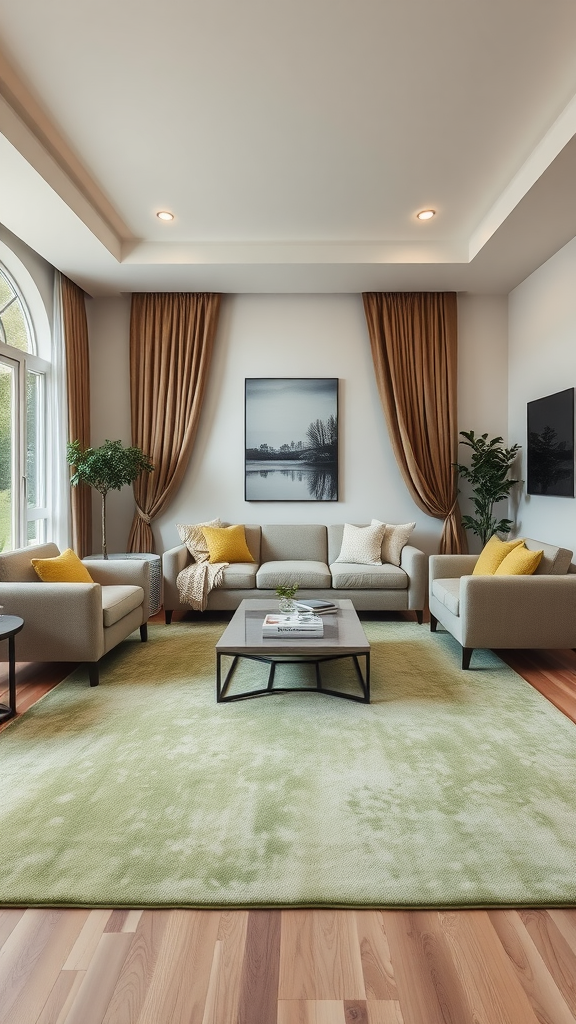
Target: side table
[155,573]
[9,626]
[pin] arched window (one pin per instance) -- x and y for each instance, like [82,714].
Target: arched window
[23,400]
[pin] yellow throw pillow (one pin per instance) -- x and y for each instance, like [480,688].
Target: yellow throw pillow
[65,568]
[493,553]
[227,544]
[520,562]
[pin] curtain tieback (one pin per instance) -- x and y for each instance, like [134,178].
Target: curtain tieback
[143,515]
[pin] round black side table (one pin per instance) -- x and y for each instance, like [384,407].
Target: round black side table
[9,626]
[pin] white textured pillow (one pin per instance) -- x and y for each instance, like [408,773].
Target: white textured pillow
[195,540]
[395,537]
[362,544]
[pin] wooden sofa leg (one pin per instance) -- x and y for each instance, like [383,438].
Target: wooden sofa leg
[144,632]
[433,623]
[168,616]
[420,617]
[93,673]
[466,655]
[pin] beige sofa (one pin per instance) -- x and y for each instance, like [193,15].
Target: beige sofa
[306,554]
[536,611]
[73,621]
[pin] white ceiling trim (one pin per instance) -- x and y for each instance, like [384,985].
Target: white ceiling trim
[544,154]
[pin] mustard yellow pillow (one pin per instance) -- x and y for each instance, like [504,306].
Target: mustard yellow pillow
[65,568]
[227,544]
[492,554]
[519,562]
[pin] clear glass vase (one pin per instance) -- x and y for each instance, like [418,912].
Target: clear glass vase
[287,605]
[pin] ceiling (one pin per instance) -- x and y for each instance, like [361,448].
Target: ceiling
[294,140]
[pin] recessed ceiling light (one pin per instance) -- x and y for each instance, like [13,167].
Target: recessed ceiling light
[165,215]
[426,214]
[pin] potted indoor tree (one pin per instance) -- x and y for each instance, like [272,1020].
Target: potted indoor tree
[488,476]
[108,468]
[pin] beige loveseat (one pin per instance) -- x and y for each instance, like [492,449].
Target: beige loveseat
[536,611]
[73,621]
[306,554]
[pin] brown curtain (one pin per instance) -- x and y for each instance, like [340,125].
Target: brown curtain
[414,339]
[75,329]
[171,340]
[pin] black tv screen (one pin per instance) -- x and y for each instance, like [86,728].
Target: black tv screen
[551,444]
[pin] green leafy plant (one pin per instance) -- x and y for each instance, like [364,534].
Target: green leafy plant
[488,476]
[287,592]
[108,468]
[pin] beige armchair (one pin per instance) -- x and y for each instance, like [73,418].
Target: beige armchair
[536,611]
[73,621]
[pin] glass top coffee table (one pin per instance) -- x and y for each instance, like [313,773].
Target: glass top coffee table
[242,639]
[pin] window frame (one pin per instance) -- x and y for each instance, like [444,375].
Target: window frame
[25,362]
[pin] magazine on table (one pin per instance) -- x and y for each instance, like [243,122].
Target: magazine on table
[302,625]
[316,606]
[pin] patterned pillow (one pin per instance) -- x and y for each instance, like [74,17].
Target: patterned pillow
[395,537]
[362,544]
[195,540]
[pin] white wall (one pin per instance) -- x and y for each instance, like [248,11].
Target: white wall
[109,331]
[282,336]
[542,360]
[482,380]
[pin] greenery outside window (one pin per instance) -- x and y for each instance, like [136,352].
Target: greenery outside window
[23,407]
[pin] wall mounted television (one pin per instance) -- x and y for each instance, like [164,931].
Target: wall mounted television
[551,444]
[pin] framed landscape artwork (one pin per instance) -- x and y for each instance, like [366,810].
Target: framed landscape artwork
[291,439]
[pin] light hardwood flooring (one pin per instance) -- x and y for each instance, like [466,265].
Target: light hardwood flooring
[292,966]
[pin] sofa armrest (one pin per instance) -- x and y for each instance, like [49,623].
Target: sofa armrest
[450,567]
[415,564]
[518,611]
[62,621]
[128,572]
[173,561]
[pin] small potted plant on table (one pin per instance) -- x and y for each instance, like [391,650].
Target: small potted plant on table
[286,602]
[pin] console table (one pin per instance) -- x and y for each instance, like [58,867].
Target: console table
[9,626]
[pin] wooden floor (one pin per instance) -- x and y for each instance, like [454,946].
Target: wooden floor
[292,966]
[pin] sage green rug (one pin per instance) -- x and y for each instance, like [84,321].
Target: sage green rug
[451,789]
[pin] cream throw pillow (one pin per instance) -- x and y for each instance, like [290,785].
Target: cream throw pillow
[195,540]
[362,544]
[395,538]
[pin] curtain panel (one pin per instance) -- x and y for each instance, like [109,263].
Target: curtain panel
[171,342]
[414,338]
[75,329]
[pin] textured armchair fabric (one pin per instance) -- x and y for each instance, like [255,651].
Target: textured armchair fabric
[536,611]
[73,621]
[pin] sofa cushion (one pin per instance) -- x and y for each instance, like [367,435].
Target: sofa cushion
[227,544]
[304,572]
[192,535]
[119,601]
[448,593]
[64,568]
[239,576]
[299,541]
[16,566]
[395,539]
[520,562]
[362,545]
[555,561]
[493,553]
[350,576]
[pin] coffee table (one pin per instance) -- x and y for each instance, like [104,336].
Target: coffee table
[242,638]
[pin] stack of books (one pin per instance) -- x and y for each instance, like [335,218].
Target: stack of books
[316,606]
[299,627]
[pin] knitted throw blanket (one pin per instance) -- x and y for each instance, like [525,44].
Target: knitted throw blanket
[197,580]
